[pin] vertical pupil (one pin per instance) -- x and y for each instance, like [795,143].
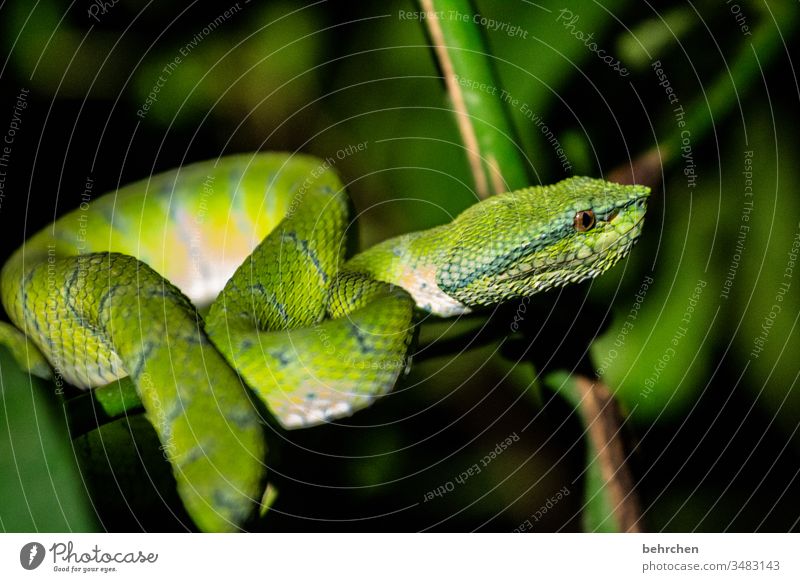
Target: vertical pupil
[584,220]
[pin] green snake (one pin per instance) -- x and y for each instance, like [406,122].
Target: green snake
[258,244]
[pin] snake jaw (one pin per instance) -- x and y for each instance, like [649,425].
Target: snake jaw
[421,284]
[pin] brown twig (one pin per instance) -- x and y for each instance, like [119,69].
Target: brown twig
[601,414]
[465,126]
[646,169]
[496,162]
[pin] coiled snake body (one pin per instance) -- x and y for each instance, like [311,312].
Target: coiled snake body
[112,290]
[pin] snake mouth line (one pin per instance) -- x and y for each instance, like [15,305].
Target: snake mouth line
[623,239]
[639,202]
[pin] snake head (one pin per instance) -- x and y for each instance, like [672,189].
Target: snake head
[522,242]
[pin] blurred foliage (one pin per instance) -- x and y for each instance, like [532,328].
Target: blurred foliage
[715,428]
[40,489]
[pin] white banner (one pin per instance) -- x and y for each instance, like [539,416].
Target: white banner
[388,557]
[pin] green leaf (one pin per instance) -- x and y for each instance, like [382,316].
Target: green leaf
[41,489]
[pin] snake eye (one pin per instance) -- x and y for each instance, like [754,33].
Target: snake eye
[584,220]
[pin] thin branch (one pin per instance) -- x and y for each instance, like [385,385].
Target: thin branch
[646,169]
[465,126]
[601,415]
[495,160]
